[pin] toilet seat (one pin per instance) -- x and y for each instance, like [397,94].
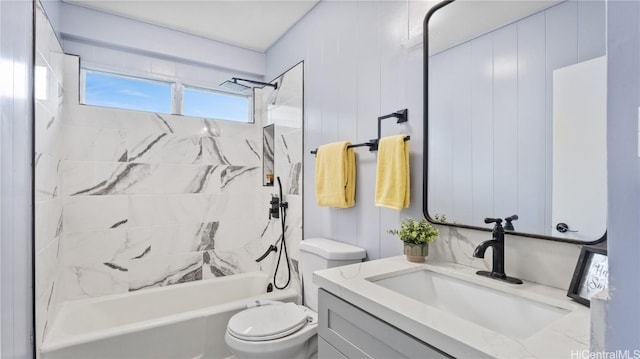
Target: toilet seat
[268,322]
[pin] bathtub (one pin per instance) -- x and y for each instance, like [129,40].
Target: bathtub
[179,321]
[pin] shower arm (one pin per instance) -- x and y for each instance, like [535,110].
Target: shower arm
[236,79]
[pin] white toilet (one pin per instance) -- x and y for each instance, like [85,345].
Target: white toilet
[287,330]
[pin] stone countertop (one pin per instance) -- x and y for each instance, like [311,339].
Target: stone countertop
[452,334]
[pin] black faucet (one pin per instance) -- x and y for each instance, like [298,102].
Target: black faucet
[498,252]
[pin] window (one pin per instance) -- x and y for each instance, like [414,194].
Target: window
[133,93]
[213,104]
[109,90]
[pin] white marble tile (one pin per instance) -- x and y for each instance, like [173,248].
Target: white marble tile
[95,280]
[82,178]
[153,210]
[48,222]
[56,62]
[290,88]
[294,225]
[237,179]
[82,248]
[198,237]
[239,221]
[48,132]
[76,176]
[148,210]
[143,123]
[231,151]
[214,207]
[94,144]
[285,115]
[182,238]
[46,84]
[193,126]
[93,116]
[290,144]
[47,173]
[92,213]
[46,271]
[148,242]
[179,179]
[232,129]
[165,148]
[186,208]
[455,245]
[162,271]
[219,263]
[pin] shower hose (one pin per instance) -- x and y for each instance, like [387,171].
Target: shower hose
[283,246]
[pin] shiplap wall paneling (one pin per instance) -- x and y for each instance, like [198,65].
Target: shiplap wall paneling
[531,125]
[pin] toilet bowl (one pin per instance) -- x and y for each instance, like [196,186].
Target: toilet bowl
[278,331]
[288,330]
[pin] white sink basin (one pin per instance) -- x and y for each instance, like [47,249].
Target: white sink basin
[501,312]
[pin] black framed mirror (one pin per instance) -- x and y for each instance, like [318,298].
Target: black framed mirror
[515,117]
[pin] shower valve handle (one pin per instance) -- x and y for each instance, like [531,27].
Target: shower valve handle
[274,211]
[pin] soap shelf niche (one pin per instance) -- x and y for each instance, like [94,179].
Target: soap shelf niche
[401,115]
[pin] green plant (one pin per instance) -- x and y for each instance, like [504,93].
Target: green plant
[415,232]
[440,218]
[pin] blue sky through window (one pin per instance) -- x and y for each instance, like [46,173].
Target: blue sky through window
[108,90]
[210,104]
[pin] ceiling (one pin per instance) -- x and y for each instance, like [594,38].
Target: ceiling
[251,24]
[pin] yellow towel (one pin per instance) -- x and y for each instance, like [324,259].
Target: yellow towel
[336,175]
[392,173]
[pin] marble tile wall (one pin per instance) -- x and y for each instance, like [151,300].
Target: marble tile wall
[153,199]
[48,166]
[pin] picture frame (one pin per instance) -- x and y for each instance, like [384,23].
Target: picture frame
[591,274]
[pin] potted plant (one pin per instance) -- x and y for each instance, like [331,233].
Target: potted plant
[416,236]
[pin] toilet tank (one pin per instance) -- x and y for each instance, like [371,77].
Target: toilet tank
[322,253]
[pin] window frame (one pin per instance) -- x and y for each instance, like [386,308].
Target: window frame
[249,99]
[177,93]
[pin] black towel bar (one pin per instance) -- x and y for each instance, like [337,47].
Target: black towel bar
[401,115]
[369,144]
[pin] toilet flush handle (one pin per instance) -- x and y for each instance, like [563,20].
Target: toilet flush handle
[260,303]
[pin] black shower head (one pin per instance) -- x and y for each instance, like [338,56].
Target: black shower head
[233,84]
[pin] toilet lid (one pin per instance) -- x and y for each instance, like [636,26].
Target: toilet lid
[267,322]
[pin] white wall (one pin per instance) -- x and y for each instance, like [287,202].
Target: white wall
[16,125]
[357,69]
[623,322]
[83,25]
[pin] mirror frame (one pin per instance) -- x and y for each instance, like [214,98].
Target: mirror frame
[425,168]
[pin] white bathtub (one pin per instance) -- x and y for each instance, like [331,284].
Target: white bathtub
[179,321]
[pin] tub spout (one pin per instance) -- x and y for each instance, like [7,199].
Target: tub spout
[271,248]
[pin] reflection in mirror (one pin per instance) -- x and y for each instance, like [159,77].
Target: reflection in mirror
[516,116]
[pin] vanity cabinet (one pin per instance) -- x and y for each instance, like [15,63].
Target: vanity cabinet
[346,331]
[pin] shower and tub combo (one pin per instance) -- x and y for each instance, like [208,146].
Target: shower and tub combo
[212,318]
[180,321]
